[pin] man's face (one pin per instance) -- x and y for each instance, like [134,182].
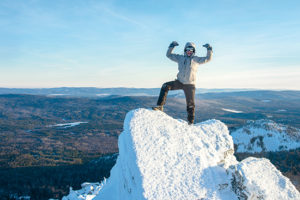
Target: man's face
[189,51]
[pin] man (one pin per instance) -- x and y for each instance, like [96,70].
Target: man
[186,77]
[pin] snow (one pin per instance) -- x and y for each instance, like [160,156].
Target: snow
[88,192]
[56,95]
[231,110]
[262,180]
[265,135]
[125,95]
[67,125]
[103,95]
[161,158]
[281,110]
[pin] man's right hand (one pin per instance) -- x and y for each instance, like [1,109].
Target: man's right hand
[173,44]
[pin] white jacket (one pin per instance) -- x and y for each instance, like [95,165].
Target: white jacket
[187,65]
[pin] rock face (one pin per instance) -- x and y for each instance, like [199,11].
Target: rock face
[265,135]
[161,158]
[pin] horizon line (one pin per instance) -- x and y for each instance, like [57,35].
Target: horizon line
[119,87]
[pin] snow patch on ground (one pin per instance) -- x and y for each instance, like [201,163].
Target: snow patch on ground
[49,95]
[67,125]
[281,110]
[124,95]
[103,95]
[88,191]
[161,158]
[231,110]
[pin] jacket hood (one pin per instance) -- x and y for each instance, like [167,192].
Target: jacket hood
[190,44]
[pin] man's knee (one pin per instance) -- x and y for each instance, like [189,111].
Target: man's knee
[166,86]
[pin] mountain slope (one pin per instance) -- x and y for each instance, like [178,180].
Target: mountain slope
[162,158]
[265,135]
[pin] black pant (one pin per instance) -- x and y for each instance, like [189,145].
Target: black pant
[189,91]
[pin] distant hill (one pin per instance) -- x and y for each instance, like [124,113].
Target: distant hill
[264,136]
[60,127]
[100,92]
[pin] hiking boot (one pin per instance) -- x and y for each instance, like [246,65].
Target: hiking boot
[161,108]
[191,123]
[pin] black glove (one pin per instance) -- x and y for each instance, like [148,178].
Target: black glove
[207,46]
[173,44]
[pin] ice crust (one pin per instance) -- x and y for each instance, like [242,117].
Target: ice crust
[161,158]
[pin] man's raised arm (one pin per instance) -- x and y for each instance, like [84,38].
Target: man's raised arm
[171,55]
[208,57]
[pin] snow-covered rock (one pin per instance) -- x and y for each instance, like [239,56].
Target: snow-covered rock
[161,158]
[88,191]
[265,135]
[257,178]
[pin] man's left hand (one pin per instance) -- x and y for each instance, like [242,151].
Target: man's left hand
[207,46]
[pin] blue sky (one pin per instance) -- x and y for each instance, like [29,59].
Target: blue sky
[115,43]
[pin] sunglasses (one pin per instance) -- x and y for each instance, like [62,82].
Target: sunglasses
[190,49]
